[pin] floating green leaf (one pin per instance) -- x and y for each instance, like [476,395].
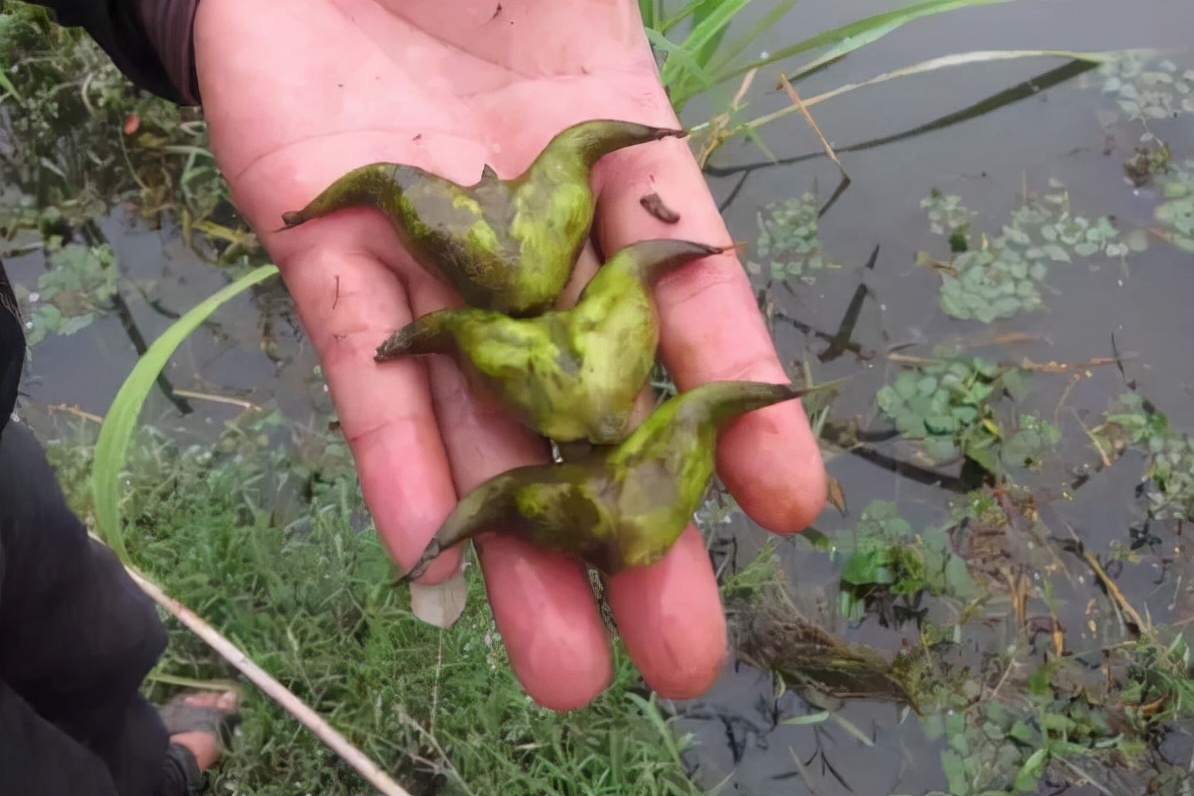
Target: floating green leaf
[788,241]
[889,559]
[72,292]
[1176,213]
[1146,89]
[1001,277]
[1034,437]
[1169,479]
[947,404]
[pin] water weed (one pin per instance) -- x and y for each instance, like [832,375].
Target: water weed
[787,242]
[1001,276]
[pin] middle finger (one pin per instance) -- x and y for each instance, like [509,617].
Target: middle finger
[541,599]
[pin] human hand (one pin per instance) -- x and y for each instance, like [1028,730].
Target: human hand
[297,92]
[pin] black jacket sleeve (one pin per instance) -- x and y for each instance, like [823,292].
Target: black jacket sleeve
[148,40]
[12,350]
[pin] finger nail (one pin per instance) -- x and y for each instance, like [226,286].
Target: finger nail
[440,604]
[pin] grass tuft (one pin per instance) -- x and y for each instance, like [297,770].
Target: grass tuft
[305,591]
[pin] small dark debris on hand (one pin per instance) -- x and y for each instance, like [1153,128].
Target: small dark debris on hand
[655,206]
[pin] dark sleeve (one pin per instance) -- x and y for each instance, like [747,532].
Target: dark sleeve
[148,40]
[37,757]
[77,636]
[12,349]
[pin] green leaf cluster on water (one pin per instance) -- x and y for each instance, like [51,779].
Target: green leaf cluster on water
[1015,715]
[1022,711]
[75,289]
[1001,276]
[1169,477]
[1147,90]
[890,564]
[1067,719]
[948,405]
[1176,212]
[788,242]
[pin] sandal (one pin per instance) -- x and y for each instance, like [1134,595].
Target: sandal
[181,768]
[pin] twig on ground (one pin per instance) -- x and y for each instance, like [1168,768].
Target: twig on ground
[368,770]
[219,399]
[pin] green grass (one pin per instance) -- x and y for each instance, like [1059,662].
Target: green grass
[705,57]
[309,599]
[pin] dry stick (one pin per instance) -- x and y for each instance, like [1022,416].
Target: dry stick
[787,86]
[368,770]
[219,399]
[1113,592]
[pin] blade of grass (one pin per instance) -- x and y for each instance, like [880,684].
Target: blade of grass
[111,449]
[887,22]
[7,86]
[841,50]
[681,58]
[1009,96]
[675,19]
[688,60]
[650,709]
[934,64]
[852,728]
[649,10]
[769,20]
[710,21]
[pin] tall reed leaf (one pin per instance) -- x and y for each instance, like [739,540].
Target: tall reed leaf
[685,71]
[704,62]
[777,12]
[111,449]
[861,32]
[934,64]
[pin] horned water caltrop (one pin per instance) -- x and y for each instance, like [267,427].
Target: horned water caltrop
[504,245]
[509,247]
[569,374]
[618,507]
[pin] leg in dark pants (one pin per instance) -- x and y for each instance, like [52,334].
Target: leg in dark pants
[77,636]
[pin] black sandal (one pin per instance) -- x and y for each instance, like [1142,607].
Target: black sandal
[181,769]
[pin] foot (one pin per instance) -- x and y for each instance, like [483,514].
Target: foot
[205,744]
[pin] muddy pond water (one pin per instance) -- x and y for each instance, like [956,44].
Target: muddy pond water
[1072,137]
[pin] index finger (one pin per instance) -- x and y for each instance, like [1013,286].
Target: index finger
[349,299]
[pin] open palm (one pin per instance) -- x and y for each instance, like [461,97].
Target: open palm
[297,92]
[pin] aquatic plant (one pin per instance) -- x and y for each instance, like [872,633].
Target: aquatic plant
[1000,276]
[948,404]
[788,245]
